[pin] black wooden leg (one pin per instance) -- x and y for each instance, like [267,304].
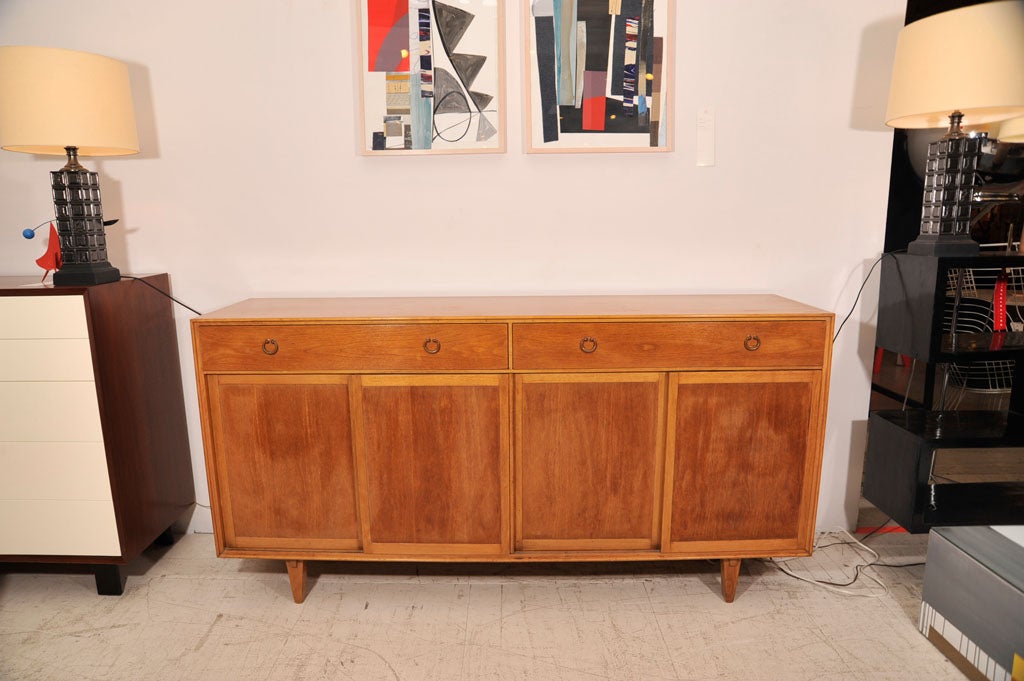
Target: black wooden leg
[109,580]
[166,538]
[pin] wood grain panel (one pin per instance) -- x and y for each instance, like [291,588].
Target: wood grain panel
[668,345]
[742,446]
[714,306]
[138,381]
[588,453]
[435,452]
[352,347]
[284,461]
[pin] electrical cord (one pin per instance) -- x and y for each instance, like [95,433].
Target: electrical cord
[163,293]
[889,565]
[860,569]
[859,292]
[839,587]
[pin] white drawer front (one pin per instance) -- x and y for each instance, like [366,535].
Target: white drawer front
[57,528]
[46,359]
[49,412]
[54,470]
[43,317]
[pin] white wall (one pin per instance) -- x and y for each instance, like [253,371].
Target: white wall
[249,183]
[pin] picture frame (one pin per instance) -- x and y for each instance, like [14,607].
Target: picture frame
[432,76]
[598,75]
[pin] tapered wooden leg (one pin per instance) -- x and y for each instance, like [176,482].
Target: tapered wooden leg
[297,577]
[730,577]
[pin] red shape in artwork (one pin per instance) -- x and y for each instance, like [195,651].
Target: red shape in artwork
[382,18]
[593,113]
[51,261]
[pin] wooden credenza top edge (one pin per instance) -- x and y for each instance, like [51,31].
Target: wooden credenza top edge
[515,308]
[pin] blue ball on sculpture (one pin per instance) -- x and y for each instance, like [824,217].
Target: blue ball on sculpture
[28,233]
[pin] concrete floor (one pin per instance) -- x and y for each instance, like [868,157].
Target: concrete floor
[188,615]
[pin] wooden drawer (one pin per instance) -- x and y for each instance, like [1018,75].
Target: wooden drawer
[352,347]
[668,345]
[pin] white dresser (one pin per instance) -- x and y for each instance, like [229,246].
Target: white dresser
[94,458]
[54,492]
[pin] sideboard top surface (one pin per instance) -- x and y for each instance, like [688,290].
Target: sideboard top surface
[24,284]
[515,307]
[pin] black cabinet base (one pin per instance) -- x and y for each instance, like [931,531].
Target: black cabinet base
[166,538]
[109,580]
[897,468]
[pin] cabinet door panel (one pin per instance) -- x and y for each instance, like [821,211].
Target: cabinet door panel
[284,461]
[744,470]
[434,452]
[588,461]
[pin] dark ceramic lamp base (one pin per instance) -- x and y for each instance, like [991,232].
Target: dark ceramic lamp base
[943,245]
[79,212]
[86,275]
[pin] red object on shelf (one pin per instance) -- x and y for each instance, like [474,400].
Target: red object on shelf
[50,260]
[879,354]
[999,303]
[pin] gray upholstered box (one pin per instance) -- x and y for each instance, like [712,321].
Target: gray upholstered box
[973,601]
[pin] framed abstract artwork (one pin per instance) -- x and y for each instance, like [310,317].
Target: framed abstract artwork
[598,75]
[432,76]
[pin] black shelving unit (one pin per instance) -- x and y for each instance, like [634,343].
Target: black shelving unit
[913,320]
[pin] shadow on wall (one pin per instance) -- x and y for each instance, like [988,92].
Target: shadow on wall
[871,84]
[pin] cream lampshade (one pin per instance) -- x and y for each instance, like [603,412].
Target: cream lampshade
[966,60]
[1010,131]
[964,66]
[56,101]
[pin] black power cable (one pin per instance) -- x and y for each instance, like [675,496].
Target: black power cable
[163,293]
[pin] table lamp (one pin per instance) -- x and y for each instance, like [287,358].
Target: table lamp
[962,66]
[63,102]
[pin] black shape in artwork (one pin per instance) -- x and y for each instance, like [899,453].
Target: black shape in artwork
[545,28]
[615,120]
[468,67]
[599,33]
[480,99]
[448,94]
[452,23]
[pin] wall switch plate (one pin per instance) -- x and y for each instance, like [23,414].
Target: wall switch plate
[706,136]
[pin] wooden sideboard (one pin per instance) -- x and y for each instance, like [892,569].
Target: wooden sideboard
[94,454]
[514,428]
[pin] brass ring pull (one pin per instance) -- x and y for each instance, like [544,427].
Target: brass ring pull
[270,346]
[752,343]
[432,346]
[588,344]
